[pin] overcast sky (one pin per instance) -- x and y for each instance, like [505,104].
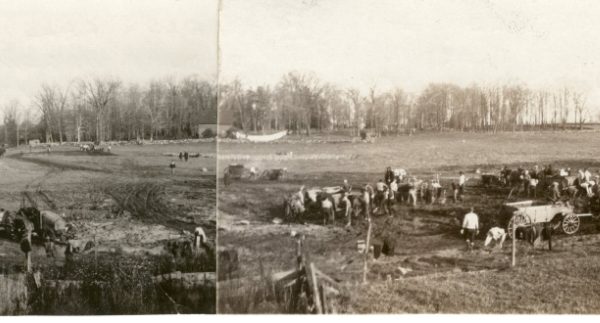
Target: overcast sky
[133,40]
[388,43]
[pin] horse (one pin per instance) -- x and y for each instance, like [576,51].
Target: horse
[293,208]
[360,205]
[327,209]
[400,174]
[536,233]
[388,176]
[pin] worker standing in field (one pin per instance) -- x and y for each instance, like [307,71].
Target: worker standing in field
[327,211]
[300,194]
[461,185]
[412,191]
[526,182]
[505,174]
[393,190]
[367,193]
[470,228]
[389,175]
[347,205]
[595,185]
[390,197]
[536,172]
[380,189]
[172,167]
[587,177]
[346,186]
[554,192]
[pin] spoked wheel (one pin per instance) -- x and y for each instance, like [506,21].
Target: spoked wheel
[570,223]
[520,220]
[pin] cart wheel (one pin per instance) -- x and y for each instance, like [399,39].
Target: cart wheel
[570,223]
[521,220]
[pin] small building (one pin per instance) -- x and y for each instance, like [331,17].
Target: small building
[225,121]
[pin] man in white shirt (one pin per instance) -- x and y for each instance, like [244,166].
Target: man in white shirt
[345,202]
[498,235]
[587,178]
[470,228]
[393,189]
[346,186]
[412,191]
[391,197]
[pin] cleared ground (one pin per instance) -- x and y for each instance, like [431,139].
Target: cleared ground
[442,277]
[80,185]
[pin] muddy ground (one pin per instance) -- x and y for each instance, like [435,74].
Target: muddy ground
[76,184]
[428,244]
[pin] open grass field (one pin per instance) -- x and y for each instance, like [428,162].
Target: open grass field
[431,270]
[82,186]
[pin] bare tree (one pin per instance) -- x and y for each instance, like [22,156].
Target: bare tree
[356,101]
[99,93]
[11,123]
[579,107]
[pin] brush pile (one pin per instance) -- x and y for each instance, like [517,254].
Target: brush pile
[143,200]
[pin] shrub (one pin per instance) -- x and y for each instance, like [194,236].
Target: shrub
[208,133]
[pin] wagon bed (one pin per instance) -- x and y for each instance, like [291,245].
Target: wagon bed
[561,216]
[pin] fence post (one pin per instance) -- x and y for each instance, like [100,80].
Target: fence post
[514,242]
[367,247]
[315,289]
[95,250]
[28,250]
[299,251]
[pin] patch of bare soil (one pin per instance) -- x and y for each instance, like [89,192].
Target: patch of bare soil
[427,238]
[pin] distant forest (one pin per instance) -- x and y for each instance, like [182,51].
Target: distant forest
[106,109]
[302,103]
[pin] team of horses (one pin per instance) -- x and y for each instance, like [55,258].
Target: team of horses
[557,184]
[361,203]
[552,183]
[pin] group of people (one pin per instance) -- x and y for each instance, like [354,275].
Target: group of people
[184,155]
[395,187]
[470,229]
[556,179]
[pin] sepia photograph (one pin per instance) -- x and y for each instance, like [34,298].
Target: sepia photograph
[108,118]
[408,157]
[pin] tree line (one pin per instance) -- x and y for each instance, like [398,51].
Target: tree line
[106,109]
[301,103]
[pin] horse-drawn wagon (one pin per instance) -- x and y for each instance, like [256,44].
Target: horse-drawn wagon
[237,172]
[561,216]
[45,224]
[490,179]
